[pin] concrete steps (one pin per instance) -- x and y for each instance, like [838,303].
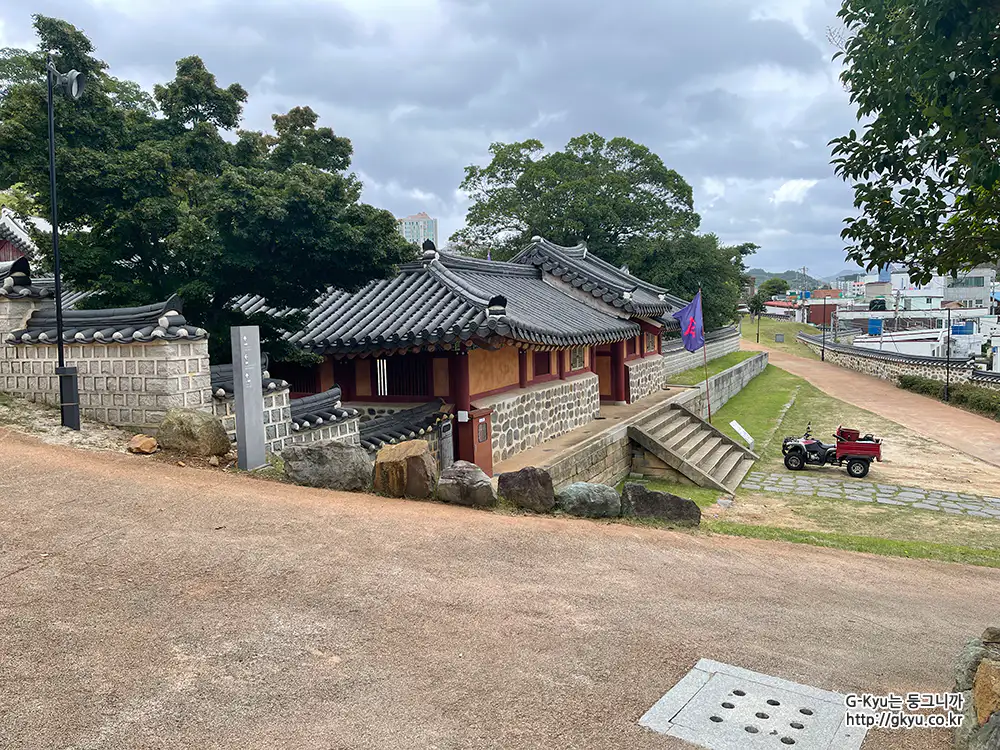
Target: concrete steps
[694,448]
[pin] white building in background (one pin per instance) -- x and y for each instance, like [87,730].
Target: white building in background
[932,342]
[419,228]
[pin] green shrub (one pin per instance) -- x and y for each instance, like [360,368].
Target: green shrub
[981,400]
[977,399]
[922,385]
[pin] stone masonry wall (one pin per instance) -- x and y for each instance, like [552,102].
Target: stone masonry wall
[539,413]
[372,409]
[278,424]
[681,360]
[603,459]
[888,368]
[130,385]
[645,375]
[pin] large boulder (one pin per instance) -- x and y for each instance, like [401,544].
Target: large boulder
[328,464]
[464,483]
[196,433]
[589,500]
[967,664]
[406,470]
[529,488]
[640,502]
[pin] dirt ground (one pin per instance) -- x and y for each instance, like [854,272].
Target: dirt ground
[145,605]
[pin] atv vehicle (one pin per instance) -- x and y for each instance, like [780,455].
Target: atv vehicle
[851,449]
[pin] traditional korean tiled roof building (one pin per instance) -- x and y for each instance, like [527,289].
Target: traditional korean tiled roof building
[15,242]
[520,351]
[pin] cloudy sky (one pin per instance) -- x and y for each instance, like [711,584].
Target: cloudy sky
[739,96]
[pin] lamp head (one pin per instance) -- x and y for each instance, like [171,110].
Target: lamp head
[72,84]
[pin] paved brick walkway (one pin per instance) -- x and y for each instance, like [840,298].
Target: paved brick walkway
[802,483]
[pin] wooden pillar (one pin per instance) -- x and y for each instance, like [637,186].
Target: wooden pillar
[642,345]
[344,376]
[522,368]
[619,379]
[593,359]
[458,380]
[561,359]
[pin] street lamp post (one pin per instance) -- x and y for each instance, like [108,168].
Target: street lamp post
[822,354]
[69,389]
[947,362]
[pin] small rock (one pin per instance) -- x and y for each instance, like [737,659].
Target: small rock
[589,500]
[464,483]
[529,488]
[991,635]
[986,690]
[213,461]
[144,444]
[181,463]
[640,502]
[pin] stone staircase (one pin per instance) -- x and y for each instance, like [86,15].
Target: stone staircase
[692,447]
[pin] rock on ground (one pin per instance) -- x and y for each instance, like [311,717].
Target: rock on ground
[529,488]
[328,464]
[589,500]
[196,433]
[464,483]
[406,470]
[986,690]
[640,502]
[967,664]
[145,444]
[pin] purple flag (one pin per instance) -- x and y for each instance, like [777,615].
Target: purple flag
[692,325]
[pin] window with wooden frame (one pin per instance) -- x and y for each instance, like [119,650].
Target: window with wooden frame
[650,343]
[577,358]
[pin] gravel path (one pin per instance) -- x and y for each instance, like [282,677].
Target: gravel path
[789,483]
[144,605]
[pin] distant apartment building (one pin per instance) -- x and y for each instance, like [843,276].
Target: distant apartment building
[419,228]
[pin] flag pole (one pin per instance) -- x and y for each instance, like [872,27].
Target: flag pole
[704,353]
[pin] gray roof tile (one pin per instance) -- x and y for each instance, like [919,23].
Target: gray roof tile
[403,425]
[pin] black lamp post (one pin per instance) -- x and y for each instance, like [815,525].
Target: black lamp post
[822,354]
[69,388]
[947,362]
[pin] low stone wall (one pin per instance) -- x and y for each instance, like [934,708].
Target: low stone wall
[645,375]
[888,366]
[723,386]
[527,417]
[130,385]
[603,459]
[278,432]
[977,678]
[677,359]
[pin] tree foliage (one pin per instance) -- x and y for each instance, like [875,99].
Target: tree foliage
[756,305]
[925,165]
[157,201]
[618,197]
[773,288]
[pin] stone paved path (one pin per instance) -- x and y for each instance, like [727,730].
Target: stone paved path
[861,491]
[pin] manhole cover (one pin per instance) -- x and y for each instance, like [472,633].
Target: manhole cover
[720,707]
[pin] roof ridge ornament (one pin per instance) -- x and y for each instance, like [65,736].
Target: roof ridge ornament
[497,307]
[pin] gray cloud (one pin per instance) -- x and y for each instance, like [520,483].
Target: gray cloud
[731,93]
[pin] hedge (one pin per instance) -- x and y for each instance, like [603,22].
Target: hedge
[980,400]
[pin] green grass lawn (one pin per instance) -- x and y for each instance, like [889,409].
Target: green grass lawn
[697,374]
[763,409]
[769,327]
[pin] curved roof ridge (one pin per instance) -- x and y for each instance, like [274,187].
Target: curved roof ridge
[506,268]
[461,286]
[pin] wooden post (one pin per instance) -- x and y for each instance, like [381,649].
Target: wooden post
[522,368]
[459,380]
[561,357]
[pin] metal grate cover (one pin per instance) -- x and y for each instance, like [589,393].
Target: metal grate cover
[721,707]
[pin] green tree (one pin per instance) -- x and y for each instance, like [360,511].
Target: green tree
[157,203]
[772,288]
[618,197]
[613,194]
[925,164]
[756,305]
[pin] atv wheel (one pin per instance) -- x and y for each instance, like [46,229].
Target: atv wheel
[794,461]
[858,468]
